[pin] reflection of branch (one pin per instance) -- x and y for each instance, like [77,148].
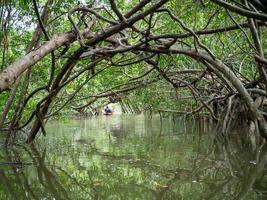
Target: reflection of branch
[51,181]
[75,181]
[220,188]
[253,174]
[17,173]
[8,185]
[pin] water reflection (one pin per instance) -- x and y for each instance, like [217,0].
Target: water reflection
[27,176]
[134,157]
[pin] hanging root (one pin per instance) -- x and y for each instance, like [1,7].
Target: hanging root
[233,115]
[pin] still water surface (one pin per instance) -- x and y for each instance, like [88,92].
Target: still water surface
[133,157]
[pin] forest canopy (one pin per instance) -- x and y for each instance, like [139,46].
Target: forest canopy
[184,57]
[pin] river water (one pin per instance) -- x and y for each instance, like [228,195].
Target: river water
[133,157]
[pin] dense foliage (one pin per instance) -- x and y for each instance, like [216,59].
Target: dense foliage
[186,57]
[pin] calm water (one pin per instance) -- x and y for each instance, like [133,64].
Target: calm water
[133,157]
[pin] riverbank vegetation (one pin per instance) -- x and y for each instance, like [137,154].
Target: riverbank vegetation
[184,57]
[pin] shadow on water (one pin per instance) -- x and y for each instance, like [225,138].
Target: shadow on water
[135,157]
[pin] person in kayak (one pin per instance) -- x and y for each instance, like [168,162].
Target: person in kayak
[107,110]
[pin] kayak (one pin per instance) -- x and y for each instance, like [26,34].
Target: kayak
[107,113]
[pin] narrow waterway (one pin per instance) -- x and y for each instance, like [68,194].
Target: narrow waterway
[133,157]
